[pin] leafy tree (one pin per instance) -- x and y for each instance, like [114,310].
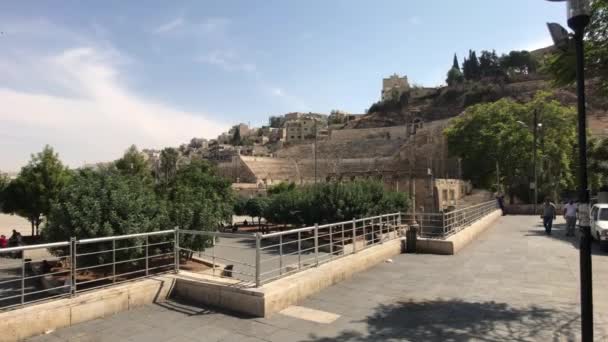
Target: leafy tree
[4,182]
[490,133]
[561,65]
[518,62]
[256,207]
[239,206]
[197,198]
[168,163]
[236,137]
[470,67]
[104,202]
[38,184]
[454,77]
[133,163]
[598,162]
[276,121]
[333,202]
[489,64]
[281,187]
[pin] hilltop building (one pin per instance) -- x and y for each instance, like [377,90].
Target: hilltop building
[394,86]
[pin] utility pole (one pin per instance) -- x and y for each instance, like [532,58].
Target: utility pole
[315,151]
[534,160]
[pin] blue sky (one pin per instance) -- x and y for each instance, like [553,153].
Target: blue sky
[91,78]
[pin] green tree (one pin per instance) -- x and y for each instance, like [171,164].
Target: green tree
[38,184]
[4,182]
[470,67]
[104,202]
[598,162]
[239,206]
[333,202]
[491,133]
[276,121]
[281,187]
[518,62]
[168,164]
[133,163]
[236,137]
[489,64]
[455,64]
[561,65]
[197,198]
[454,77]
[256,207]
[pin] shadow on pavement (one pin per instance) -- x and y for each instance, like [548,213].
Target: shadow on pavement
[456,320]
[558,232]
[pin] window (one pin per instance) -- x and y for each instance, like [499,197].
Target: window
[444,195]
[603,215]
[292,137]
[451,195]
[594,212]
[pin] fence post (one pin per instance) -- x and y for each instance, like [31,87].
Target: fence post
[258,238]
[147,265]
[280,254]
[381,230]
[22,278]
[355,235]
[316,244]
[343,239]
[331,242]
[176,249]
[299,250]
[74,252]
[113,261]
[213,254]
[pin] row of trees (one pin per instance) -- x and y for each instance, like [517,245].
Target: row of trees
[122,197]
[489,65]
[323,202]
[493,144]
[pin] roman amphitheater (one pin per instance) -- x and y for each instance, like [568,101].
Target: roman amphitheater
[409,158]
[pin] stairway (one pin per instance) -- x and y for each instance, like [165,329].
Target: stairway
[477,196]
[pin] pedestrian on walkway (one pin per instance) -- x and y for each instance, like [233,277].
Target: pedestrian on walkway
[549,214]
[500,198]
[570,216]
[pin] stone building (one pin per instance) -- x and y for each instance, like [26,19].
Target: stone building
[301,129]
[394,86]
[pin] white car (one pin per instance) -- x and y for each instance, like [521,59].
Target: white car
[599,224]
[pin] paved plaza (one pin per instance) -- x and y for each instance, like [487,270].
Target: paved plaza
[514,283]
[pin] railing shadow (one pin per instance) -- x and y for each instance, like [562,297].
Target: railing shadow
[457,320]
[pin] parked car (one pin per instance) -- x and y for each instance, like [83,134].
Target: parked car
[599,224]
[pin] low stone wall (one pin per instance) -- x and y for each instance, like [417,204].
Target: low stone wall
[528,209]
[36,319]
[458,241]
[279,294]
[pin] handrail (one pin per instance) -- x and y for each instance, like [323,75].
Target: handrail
[123,237]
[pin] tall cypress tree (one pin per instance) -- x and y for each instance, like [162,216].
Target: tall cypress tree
[455,64]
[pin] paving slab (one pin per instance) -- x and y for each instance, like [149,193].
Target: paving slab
[513,283]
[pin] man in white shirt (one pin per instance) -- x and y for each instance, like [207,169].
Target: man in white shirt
[570,216]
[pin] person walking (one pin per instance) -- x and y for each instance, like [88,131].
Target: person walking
[570,216]
[549,214]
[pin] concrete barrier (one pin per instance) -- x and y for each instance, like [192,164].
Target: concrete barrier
[458,241]
[275,296]
[36,319]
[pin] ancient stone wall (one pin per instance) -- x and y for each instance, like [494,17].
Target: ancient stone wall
[387,133]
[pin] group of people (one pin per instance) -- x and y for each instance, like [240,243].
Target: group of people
[550,214]
[14,241]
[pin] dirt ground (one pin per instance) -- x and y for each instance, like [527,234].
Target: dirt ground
[10,222]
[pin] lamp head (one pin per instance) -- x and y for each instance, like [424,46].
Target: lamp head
[579,13]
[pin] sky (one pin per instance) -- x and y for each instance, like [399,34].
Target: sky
[92,78]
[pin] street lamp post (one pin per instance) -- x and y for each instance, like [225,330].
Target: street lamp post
[578,18]
[535,127]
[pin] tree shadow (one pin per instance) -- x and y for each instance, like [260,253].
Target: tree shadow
[457,320]
[558,232]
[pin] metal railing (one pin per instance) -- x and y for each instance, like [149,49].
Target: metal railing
[39,272]
[442,225]
[100,262]
[283,253]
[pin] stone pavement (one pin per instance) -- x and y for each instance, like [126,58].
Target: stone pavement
[513,283]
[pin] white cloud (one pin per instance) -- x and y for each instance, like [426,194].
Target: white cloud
[97,123]
[170,26]
[227,60]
